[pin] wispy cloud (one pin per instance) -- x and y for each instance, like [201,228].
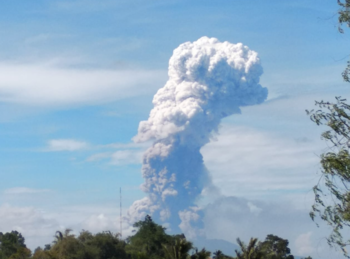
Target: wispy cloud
[53,86]
[24,190]
[126,153]
[126,157]
[66,145]
[99,156]
[131,145]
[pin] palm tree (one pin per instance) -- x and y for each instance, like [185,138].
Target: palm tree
[252,251]
[59,236]
[202,254]
[59,249]
[218,254]
[179,250]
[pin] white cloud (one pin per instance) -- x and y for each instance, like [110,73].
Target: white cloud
[94,217]
[98,157]
[227,218]
[127,153]
[24,190]
[126,157]
[29,221]
[251,163]
[38,226]
[303,244]
[230,217]
[131,145]
[99,222]
[52,86]
[66,145]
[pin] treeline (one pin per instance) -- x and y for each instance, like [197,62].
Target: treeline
[149,242]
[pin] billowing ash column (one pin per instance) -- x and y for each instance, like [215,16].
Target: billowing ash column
[208,80]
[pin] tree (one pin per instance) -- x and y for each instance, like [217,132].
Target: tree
[218,254]
[66,246]
[332,193]
[344,14]
[250,251]
[85,236]
[149,239]
[11,243]
[178,249]
[39,253]
[21,253]
[202,254]
[344,18]
[275,247]
[105,245]
[59,236]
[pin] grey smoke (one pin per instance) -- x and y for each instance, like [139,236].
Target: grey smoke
[208,80]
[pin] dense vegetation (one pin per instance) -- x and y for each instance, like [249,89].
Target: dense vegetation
[150,241]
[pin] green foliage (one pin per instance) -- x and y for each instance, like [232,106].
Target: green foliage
[275,247]
[41,254]
[105,245]
[178,249]
[21,253]
[220,255]
[149,240]
[202,254]
[344,18]
[344,14]
[346,73]
[332,196]
[250,251]
[66,246]
[11,244]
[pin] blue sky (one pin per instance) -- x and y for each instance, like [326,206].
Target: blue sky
[77,77]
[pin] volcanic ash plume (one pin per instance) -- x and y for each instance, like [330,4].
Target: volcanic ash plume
[208,80]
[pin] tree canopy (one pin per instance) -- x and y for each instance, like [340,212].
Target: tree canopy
[150,241]
[12,246]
